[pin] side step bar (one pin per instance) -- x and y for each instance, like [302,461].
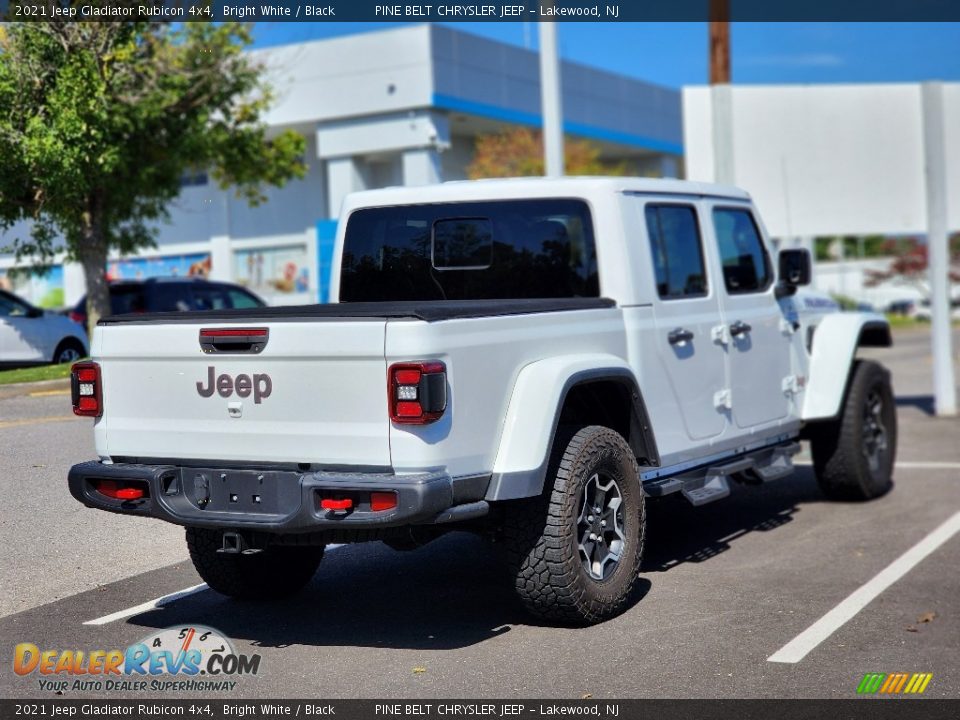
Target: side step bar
[711,482]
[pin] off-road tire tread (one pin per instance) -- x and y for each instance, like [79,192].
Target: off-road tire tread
[552,585]
[838,462]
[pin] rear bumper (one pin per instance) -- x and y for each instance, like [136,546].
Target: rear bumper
[278,501]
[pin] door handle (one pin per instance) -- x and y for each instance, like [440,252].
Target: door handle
[739,328]
[679,335]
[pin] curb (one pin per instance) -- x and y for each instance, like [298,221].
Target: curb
[18,389]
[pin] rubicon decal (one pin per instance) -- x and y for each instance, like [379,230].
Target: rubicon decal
[898,683]
[260,385]
[178,651]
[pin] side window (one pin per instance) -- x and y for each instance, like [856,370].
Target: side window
[209,298]
[676,250]
[11,307]
[746,267]
[240,299]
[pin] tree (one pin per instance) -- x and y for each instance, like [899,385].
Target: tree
[100,121]
[911,265]
[519,153]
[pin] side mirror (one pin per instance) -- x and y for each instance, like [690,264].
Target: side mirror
[794,267]
[793,271]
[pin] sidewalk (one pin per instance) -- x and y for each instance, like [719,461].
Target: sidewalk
[44,386]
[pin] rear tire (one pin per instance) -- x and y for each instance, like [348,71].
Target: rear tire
[853,455]
[276,572]
[570,563]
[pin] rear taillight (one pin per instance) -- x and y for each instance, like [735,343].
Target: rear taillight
[86,389]
[77,317]
[417,392]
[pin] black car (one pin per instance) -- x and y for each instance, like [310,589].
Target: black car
[170,295]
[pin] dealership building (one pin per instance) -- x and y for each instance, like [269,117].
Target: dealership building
[396,107]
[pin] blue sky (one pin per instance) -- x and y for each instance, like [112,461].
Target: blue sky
[675,54]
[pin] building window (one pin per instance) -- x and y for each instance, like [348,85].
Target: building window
[193,178]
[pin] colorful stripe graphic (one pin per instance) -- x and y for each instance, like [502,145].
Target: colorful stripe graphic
[894,683]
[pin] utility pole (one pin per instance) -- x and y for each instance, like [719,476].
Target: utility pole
[721,93]
[719,42]
[550,98]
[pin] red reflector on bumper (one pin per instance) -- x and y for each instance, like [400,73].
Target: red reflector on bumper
[383,501]
[112,490]
[129,493]
[330,504]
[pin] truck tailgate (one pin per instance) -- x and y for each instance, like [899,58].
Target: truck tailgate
[316,393]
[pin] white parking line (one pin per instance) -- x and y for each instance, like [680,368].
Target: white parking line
[924,465]
[161,601]
[906,464]
[148,605]
[795,650]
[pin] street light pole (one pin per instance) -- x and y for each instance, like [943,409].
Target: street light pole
[550,99]
[938,253]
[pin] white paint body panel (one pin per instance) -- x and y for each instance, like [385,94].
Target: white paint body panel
[484,358]
[526,442]
[834,347]
[327,403]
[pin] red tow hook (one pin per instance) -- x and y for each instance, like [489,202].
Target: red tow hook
[337,506]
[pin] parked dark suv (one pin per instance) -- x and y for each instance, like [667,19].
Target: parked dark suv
[170,295]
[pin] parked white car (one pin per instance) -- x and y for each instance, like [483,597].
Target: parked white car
[924,313]
[31,336]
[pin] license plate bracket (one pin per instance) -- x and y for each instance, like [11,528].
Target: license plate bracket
[267,492]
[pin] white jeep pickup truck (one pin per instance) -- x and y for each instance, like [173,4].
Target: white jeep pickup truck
[527,358]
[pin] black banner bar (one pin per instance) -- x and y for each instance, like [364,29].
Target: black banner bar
[218,709]
[482,11]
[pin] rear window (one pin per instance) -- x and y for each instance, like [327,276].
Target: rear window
[508,249]
[172,297]
[125,299]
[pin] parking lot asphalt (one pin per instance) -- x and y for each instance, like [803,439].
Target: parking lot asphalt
[724,587]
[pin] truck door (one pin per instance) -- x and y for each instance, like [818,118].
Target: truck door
[686,307]
[753,332]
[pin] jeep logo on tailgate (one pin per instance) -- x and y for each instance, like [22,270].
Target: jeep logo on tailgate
[260,385]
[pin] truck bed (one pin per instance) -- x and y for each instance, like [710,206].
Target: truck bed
[428,311]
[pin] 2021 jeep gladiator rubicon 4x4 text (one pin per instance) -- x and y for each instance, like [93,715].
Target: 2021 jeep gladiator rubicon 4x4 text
[530,358]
